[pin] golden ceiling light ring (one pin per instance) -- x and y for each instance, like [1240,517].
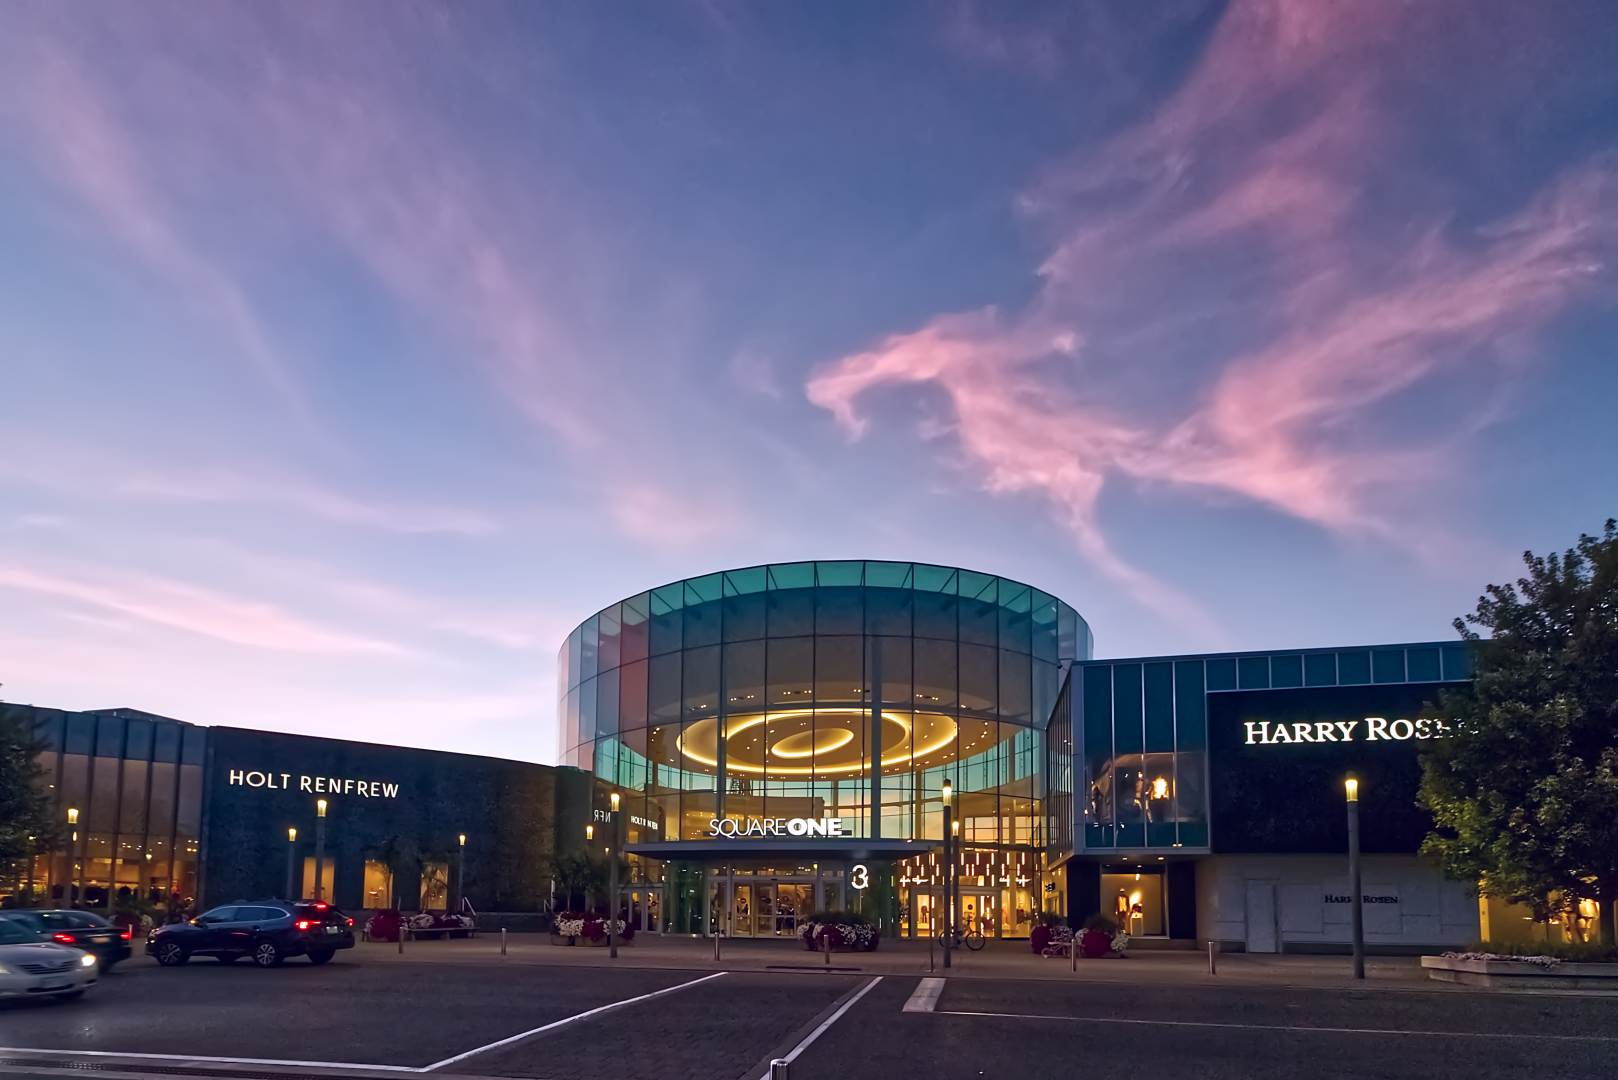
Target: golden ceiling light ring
[809,743]
[901,753]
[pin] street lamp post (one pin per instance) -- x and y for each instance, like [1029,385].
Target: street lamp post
[76,880]
[292,854]
[612,877]
[1351,787]
[460,874]
[589,837]
[320,848]
[949,873]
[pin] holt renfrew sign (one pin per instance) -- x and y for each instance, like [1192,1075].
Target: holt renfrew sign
[1370,729]
[730,827]
[315,785]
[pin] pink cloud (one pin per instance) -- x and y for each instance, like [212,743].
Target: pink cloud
[665,517]
[196,610]
[1220,311]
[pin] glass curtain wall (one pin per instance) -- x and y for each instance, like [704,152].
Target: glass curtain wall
[847,689]
[135,781]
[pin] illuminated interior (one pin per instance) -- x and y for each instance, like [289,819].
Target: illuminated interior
[794,742]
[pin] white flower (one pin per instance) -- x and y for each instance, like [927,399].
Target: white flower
[570,927]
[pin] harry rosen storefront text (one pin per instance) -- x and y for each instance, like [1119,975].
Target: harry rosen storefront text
[1376,729]
[317,785]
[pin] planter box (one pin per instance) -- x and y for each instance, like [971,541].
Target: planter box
[1516,975]
[558,939]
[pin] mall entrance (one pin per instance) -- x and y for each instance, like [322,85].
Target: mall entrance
[771,901]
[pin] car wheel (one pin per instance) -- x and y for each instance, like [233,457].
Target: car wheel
[172,954]
[267,954]
[321,956]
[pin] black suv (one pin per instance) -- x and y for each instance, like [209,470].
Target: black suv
[269,931]
[80,929]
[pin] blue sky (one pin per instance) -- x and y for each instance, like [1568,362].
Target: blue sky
[352,353]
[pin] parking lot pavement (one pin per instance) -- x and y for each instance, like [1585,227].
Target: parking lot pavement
[987,1028]
[665,1024]
[344,1012]
[719,1030]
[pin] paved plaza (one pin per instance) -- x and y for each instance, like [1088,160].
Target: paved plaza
[666,1011]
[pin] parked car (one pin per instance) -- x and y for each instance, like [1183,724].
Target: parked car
[30,967]
[268,931]
[81,929]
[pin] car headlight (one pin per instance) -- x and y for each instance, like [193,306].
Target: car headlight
[5,970]
[87,960]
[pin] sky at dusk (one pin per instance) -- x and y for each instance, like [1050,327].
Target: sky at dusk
[351,353]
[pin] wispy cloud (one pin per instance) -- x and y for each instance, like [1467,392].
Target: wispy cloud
[139,475]
[73,126]
[306,497]
[183,606]
[1219,309]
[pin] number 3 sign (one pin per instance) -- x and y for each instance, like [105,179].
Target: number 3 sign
[859,877]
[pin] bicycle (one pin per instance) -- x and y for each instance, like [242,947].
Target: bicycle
[972,939]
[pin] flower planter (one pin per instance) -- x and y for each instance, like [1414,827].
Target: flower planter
[1522,975]
[561,939]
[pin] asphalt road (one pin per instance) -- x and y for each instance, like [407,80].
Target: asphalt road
[727,1027]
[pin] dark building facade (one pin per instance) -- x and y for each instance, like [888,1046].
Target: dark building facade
[169,815]
[1209,802]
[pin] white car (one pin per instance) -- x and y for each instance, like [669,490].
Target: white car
[30,967]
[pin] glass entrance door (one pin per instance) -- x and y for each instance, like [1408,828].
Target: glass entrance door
[980,910]
[792,903]
[645,908]
[743,908]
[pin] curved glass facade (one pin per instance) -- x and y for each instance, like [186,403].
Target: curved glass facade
[749,693]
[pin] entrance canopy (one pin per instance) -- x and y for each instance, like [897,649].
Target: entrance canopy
[814,849]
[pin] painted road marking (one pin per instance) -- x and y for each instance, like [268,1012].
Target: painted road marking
[196,1059]
[825,1024]
[925,996]
[566,1020]
[1280,1027]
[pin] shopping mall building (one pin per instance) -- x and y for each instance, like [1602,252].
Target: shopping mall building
[778,740]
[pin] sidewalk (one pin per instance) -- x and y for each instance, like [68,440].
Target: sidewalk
[998,960]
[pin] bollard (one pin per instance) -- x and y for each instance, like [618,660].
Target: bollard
[930,952]
[401,937]
[825,942]
[1213,947]
[779,1069]
[1073,951]
[716,946]
[502,941]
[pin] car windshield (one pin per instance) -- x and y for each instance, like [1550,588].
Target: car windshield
[14,933]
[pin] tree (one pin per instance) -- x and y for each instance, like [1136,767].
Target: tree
[579,875]
[1524,795]
[27,824]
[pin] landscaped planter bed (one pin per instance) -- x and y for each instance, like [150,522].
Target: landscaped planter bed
[1522,975]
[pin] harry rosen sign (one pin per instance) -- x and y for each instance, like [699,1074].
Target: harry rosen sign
[1371,729]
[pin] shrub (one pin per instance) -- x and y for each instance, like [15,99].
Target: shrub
[1101,922]
[1577,952]
[842,929]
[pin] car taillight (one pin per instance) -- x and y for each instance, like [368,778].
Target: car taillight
[303,924]
[321,906]
[65,939]
[127,932]
[350,921]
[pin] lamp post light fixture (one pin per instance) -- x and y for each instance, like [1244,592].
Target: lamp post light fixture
[612,876]
[320,848]
[1351,788]
[292,855]
[950,825]
[460,873]
[77,886]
